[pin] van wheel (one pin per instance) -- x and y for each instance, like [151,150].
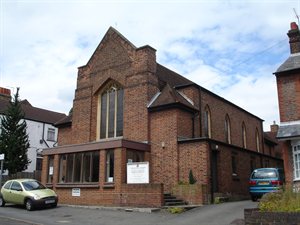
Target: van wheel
[29,205]
[2,202]
[254,198]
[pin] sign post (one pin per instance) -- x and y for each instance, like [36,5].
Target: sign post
[1,169]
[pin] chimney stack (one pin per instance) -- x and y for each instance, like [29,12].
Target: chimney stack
[274,127]
[5,94]
[294,36]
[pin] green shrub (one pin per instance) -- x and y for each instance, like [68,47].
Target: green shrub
[192,179]
[176,210]
[281,201]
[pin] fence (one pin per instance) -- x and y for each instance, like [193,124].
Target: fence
[33,175]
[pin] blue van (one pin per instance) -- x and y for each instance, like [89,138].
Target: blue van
[265,180]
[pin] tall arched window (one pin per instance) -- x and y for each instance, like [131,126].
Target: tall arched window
[207,122]
[244,135]
[257,140]
[227,130]
[111,111]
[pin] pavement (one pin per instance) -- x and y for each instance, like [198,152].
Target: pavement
[231,213]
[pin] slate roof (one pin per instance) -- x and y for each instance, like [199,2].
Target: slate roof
[167,76]
[170,97]
[292,63]
[34,113]
[288,131]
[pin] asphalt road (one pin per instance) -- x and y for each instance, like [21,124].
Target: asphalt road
[221,214]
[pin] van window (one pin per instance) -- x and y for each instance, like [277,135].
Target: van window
[263,174]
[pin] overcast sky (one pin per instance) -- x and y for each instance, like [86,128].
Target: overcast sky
[230,47]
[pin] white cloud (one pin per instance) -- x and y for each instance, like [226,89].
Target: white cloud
[43,43]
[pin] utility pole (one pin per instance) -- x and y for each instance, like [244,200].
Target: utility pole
[1,169]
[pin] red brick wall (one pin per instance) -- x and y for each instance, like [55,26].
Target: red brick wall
[194,156]
[219,109]
[228,183]
[185,124]
[289,101]
[134,69]
[143,195]
[164,160]
[64,136]
[288,161]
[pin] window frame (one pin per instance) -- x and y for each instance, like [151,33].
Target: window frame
[227,130]
[69,164]
[109,169]
[257,140]
[113,107]
[296,161]
[207,122]
[244,135]
[51,134]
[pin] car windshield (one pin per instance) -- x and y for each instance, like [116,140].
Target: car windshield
[32,185]
[264,174]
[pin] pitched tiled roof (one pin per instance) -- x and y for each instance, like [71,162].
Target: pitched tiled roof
[169,96]
[34,113]
[166,75]
[271,137]
[66,121]
[293,62]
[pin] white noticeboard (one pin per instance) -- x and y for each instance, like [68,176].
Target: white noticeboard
[76,192]
[138,173]
[1,156]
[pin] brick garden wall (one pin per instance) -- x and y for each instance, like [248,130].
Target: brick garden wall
[141,195]
[254,217]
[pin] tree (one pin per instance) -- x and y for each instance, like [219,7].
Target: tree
[14,141]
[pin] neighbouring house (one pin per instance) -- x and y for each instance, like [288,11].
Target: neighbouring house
[137,130]
[40,128]
[288,87]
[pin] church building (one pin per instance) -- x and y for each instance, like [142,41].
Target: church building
[139,130]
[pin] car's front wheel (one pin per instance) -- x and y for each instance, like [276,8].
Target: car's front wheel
[29,205]
[2,202]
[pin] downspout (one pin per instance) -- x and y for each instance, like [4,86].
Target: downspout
[211,173]
[200,112]
[43,136]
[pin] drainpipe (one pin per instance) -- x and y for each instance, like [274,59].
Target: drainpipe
[200,113]
[44,141]
[211,174]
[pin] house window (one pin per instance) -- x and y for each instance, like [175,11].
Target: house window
[111,112]
[79,167]
[50,168]
[244,135]
[257,140]
[51,134]
[227,130]
[207,122]
[296,156]
[110,166]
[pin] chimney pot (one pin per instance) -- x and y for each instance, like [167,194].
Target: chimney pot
[294,26]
